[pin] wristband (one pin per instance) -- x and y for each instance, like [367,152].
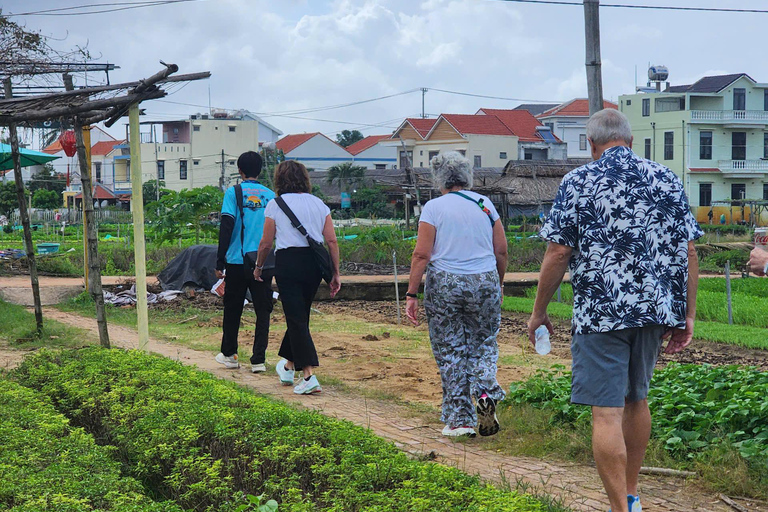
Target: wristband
[412,295]
[765,269]
[259,267]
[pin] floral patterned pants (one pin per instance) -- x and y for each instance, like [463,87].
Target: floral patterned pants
[464,314]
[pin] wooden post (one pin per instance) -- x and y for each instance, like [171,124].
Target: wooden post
[87,144]
[24,215]
[728,291]
[89,229]
[593,62]
[397,286]
[139,249]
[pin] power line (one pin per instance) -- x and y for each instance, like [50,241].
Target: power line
[651,7]
[492,97]
[109,7]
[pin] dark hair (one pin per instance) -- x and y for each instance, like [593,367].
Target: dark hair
[250,164]
[291,176]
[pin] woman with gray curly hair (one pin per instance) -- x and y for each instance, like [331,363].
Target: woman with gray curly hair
[462,247]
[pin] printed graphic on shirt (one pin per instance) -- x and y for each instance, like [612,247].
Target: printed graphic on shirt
[629,224]
[254,202]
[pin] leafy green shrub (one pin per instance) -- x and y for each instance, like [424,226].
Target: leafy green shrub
[48,465]
[737,258]
[726,228]
[205,442]
[695,407]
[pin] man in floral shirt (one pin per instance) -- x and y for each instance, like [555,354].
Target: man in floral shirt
[624,227]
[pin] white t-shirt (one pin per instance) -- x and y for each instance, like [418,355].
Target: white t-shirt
[311,212]
[464,237]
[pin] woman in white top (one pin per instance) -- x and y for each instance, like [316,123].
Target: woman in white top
[462,246]
[296,271]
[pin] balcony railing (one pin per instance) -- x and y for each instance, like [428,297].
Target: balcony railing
[122,185]
[758,116]
[759,166]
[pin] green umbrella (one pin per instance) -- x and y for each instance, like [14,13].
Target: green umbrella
[28,157]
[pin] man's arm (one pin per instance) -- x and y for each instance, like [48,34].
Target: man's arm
[681,338]
[225,237]
[552,271]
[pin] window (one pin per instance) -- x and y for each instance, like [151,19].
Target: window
[705,194]
[97,170]
[629,103]
[528,156]
[182,169]
[232,128]
[739,99]
[550,125]
[127,170]
[705,145]
[646,107]
[195,127]
[406,157]
[765,191]
[765,145]
[738,191]
[161,169]
[647,149]
[421,152]
[765,99]
[195,162]
[739,146]
[380,166]
[503,155]
[582,142]
[669,145]
[478,161]
[433,154]
[670,104]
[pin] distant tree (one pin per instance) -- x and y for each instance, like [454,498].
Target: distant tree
[8,199]
[47,179]
[346,138]
[46,199]
[149,191]
[371,201]
[345,174]
[178,209]
[318,192]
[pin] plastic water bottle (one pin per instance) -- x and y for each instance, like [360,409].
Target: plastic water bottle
[542,340]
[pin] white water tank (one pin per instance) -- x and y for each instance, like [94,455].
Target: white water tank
[658,73]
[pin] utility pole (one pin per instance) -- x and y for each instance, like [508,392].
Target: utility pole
[594,65]
[221,179]
[423,93]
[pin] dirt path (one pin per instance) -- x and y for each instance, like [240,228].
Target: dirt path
[577,485]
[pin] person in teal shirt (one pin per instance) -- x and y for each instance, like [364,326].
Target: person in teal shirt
[240,234]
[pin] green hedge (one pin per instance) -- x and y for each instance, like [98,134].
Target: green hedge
[46,465]
[205,442]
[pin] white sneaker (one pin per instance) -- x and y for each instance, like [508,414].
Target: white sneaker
[308,387]
[258,368]
[458,431]
[228,361]
[287,377]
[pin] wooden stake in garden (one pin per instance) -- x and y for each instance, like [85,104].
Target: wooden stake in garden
[24,215]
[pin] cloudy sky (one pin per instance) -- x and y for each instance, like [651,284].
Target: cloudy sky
[281,56]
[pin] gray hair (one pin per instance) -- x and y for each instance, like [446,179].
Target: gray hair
[609,125]
[451,169]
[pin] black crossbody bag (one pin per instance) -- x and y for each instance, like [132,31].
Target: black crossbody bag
[320,253]
[249,258]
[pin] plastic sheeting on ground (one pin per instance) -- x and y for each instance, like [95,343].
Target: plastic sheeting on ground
[194,267]
[128,297]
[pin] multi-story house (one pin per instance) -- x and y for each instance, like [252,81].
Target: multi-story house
[713,134]
[568,121]
[194,152]
[489,138]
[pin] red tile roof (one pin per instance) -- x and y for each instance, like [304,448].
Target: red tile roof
[368,142]
[576,108]
[477,125]
[423,126]
[100,192]
[104,147]
[55,147]
[520,122]
[291,142]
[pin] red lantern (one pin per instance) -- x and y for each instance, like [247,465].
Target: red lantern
[68,142]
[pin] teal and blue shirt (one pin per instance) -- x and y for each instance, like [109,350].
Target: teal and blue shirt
[255,199]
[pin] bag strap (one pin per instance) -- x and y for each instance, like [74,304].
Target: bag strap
[239,199]
[478,203]
[292,217]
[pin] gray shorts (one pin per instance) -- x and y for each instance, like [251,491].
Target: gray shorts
[613,368]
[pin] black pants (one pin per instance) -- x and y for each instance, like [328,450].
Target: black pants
[298,278]
[236,285]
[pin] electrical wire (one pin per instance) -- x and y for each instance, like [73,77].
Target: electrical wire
[491,97]
[113,8]
[649,7]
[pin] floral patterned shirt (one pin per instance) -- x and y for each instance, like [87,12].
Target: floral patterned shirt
[629,224]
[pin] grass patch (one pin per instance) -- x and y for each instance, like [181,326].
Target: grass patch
[19,330]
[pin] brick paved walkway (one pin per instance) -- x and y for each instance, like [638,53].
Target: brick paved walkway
[577,485]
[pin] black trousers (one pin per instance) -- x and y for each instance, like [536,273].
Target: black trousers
[236,285]
[298,278]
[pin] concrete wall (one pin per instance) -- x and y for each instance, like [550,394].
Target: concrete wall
[319,153]
[569,129]
[378,154]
